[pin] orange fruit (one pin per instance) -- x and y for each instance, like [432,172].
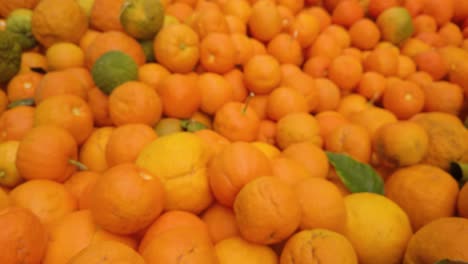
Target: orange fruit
[296,128]
[364,34]
[75,232]
[7,7]
[221,222]
[180,95]
[98,101]
[372,118]
[152,74]
[23,86]
[241,9]
[48,200]
[209,20]
[24,237]
[423,207]
[286,49]
[440,239]
[305,28]
[62,55]
[324,45]
[462,202]
[105,15]
[305,84]
[443,96]
[135,102]
[383,61]
[351,139]
[58,83]
[284,100]
[317,66]
[327,247]
[347,13]
[328,121]
[93,151]
[122,145]
[55,21]
[16,122]
[322,205]
[329,95]
[346,72]
[238,250]
[311,156]
[442,11]
[217,52]
[236,121]
[80,185]
[226,180]
[400,144]
[262,74]
[404,99]
[288,170]
[372,86]
[376,7]
[267,219]
[107,251]
[264,22]
[126,199]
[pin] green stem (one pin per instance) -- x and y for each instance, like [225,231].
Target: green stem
[78,164]
[22,102]
[247,101]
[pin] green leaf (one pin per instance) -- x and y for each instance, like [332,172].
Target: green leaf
[192,125]
[355,175]
[447,261]
[21,102]
[459,171]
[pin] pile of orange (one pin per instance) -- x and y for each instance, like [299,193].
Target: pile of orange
[217,152]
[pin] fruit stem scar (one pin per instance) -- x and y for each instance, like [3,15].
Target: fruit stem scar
[2,174]
[182,46]
[78,164]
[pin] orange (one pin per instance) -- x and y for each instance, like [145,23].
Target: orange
[80,185]
[440,239]
[209,20]
[152,74]
[7,7]
[431,62]
[109,252]
[311,156]
[351,139]
[442,11]
[340,34]
[68,111]
[372,118]
[55,21]
[16,122]
[377,227]
[346,72]
[221,222]
[329,95]
[284,100]
[239,8]
[423,207]
[424,23]
[58,83]
[259,104]
[238,250]
[404,99]
[262,74]
[105,15]
[267,219]
[122,145]
[24,237]
[237,121]
[400,144]
[372,86]
[305,84]
[320,14]
[264,22]
[32,59]
[327,247]
[286,49]
[217,52]
[317,66]
[305,28]
[451,34]
[376,7]
[297,127]
[170,220]
[406,66]
[364,34]
[48,200]
[347,12]
[322,205]
[443,96]
[235,78]
[243,46]
[267,131]
[62,55]
[236,25]
[288,170]
[75,232]
[179,10]
[178,244]
[23,86]
[126,199]
[93,151]
[180,95]
[383,61]
[324,45]
[328,121]
[226,178]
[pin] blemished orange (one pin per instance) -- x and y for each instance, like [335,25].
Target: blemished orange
[48,200]
[327,247]
[322,205]
[221,222]
[267,219]
[423,207]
